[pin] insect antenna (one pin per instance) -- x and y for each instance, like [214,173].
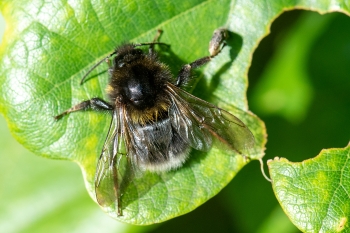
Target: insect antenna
[94,66]
[151,43]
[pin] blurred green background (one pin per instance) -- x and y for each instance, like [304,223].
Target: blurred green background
[299,85]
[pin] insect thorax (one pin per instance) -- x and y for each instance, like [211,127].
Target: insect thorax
[139,85]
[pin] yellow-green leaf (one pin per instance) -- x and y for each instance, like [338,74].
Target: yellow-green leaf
[315,193]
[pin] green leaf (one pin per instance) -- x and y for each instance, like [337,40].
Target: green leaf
[40,195]
[315,193]
[48,47]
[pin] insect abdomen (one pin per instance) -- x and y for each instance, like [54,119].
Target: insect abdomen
[158,147]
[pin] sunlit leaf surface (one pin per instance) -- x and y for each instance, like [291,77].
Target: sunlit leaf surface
[49,46]
[315,193]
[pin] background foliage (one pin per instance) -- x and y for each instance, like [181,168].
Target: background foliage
[298,129]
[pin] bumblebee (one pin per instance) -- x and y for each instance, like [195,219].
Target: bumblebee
[155,123]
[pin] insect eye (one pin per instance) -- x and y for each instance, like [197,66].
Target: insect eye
[119,61]
[136,52]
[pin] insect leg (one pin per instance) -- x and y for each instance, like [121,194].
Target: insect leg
[154,42]
[151,47]
[217,41]
[185,72]
[94,103]
[214,49]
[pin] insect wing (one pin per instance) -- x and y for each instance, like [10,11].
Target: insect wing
[106,178]
[188,124]
[203,118]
